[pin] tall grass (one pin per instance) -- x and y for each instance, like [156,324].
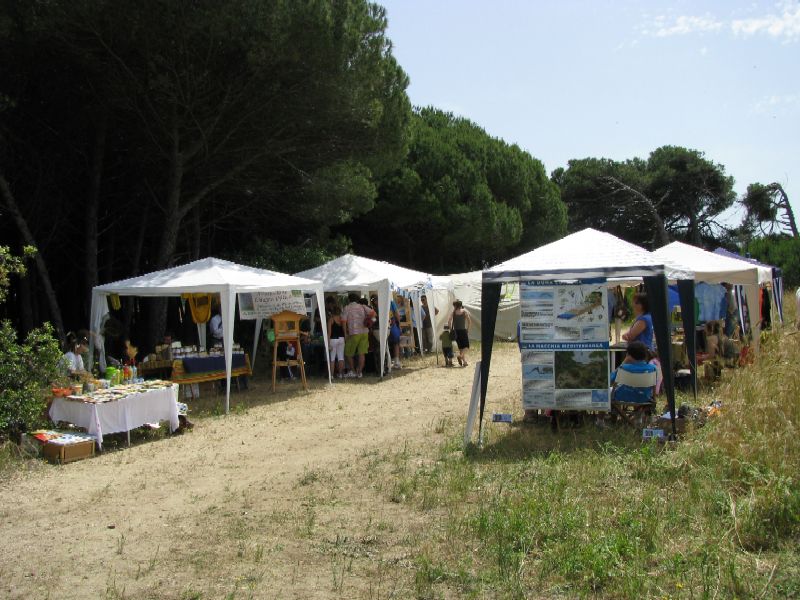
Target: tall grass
[597,513]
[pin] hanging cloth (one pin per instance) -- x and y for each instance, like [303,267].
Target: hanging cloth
[200,306]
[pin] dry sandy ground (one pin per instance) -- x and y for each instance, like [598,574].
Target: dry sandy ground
[274,500]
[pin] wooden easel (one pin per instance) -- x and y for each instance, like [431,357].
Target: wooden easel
[287,329]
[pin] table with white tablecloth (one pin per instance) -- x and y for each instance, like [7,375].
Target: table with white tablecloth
[123,414]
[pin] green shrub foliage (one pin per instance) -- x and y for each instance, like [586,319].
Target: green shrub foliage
[26,371]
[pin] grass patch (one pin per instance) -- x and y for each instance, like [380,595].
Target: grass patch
[597,513]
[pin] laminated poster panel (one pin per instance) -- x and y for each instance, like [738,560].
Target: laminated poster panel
[262,305]
[564,345]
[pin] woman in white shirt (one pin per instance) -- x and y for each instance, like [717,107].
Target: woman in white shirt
[72,360]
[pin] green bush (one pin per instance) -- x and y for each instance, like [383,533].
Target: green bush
[26,371]
[781,251]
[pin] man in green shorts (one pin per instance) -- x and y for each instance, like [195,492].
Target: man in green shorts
[356,341]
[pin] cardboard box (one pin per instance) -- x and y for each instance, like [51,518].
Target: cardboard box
[64,453]
[666,424]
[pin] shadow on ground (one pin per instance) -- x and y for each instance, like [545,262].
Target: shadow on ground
[522,441]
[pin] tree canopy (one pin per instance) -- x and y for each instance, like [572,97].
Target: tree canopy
[676,193]
[780,250]
[460,200]
[158,131]
[768,209]
[138,135]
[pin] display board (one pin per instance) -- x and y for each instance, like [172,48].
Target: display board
[262,305]
[564,345]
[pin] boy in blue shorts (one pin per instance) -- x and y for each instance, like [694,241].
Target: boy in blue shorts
[635,362]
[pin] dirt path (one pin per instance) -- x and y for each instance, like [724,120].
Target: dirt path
[273,501]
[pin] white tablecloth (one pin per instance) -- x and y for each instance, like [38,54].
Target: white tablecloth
[127,413]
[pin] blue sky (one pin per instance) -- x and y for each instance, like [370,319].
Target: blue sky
[573,79]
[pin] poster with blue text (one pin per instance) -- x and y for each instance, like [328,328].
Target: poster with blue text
[564,345]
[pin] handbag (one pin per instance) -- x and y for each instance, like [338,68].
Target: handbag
[369,320]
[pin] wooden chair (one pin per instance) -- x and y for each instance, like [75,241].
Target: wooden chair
[630,410]
[287,329]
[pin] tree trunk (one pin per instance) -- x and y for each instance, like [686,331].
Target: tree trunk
[693,231]
[662,236]
[25,304]
[27,237]
[157,313]
[136,263]
[196,232]
[787,208]
[92,206]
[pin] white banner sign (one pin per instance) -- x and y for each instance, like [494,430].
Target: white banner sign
[262,305]
[564,343]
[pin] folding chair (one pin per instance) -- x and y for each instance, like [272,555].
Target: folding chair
[629,410]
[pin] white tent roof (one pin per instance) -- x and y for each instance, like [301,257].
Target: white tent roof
[764,271]
[206,275]
[351,272]
[209,275]
[585,254]
[708,266]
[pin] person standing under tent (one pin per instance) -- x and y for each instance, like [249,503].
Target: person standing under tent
[730,310]
[459,323]
[401,309]
[330,302]
[217,339]
[394,335]
[337,328]
[215,327]
[356,332]
[427,325]
[415,331]
[642,328]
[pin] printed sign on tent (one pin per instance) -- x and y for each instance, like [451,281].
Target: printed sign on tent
[262,305]
[564,344]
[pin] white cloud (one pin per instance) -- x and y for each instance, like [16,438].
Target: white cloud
[703,51]
[777,103]
[682,25]
[784,25]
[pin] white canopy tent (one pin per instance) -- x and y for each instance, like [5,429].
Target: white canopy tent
[350,273]
[209,275]
[715,268]
[766,274]
[587,254]
[467,288]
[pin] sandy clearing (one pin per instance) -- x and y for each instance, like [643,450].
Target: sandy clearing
[270,501]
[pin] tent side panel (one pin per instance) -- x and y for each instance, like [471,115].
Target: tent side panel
[490,299]
[657,294]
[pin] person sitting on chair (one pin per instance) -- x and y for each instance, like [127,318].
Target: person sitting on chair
[635,362]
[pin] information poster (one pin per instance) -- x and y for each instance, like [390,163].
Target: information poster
[564,343]
[262,305]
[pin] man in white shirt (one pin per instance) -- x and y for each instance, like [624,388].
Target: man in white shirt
[215,328]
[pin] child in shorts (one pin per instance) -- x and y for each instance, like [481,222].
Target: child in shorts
[447,346]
